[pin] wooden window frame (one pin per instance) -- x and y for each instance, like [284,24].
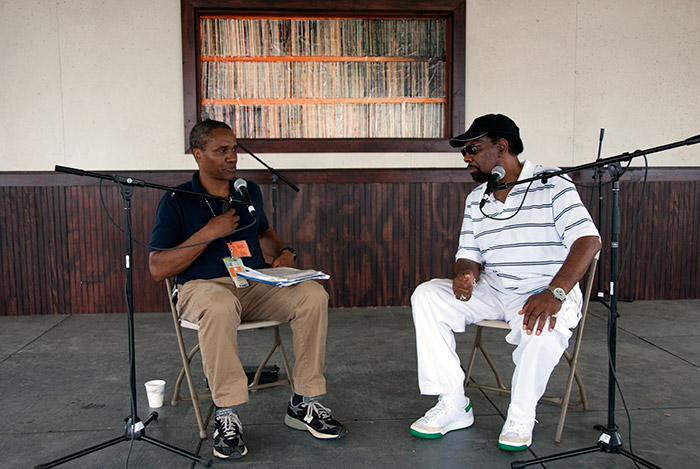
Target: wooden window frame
[453,10]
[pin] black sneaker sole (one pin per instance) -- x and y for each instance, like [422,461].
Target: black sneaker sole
[235,455]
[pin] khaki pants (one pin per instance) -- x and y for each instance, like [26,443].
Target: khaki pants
[219,307]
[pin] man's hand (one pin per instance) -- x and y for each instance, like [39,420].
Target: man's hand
[537,309]
[285,259]
[223,224]
[164,264]
[463,285]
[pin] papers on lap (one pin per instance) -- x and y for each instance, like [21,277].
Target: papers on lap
[282,276]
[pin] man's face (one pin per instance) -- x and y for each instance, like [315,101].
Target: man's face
[481,155]
[219,157]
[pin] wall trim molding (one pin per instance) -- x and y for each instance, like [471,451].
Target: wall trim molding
[320,176]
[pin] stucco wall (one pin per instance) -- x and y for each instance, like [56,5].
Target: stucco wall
[98,84]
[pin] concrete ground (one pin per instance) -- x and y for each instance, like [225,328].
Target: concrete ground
[64,387]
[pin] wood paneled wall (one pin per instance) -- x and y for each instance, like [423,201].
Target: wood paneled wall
[379,233]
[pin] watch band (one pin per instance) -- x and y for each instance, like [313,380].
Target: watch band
[287,248]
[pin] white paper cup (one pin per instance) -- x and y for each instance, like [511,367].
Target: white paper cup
[154,391]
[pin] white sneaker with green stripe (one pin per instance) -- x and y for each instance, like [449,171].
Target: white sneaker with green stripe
[446,416]
[515,436]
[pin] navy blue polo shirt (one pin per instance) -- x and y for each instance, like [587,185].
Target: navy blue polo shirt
[179,216]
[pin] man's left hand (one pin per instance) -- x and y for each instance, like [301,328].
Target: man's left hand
[537,309]
[285,259]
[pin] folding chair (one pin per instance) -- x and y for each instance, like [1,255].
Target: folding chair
[571,358]
[187,357]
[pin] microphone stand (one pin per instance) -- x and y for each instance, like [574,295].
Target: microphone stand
[598,174]
[135,428]
[273,179]
[598,177]
[610,440]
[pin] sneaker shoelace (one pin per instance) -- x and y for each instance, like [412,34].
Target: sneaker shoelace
[515,429]
[440,408]
[229,425]
[315,406]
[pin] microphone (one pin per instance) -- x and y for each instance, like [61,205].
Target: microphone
[497,174]
[242,187]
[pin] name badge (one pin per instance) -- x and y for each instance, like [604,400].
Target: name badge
[239,249]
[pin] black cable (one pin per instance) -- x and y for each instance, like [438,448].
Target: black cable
[128,454]
[594,185]
[622,398]
[157,248]
[637,217]
[527,189]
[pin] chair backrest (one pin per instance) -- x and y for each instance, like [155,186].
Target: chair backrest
[587,289]
[172,299]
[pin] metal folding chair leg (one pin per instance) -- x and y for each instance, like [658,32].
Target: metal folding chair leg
[254,386]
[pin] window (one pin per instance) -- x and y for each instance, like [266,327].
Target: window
[305,80]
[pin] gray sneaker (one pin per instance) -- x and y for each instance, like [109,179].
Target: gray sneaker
[228,435]
[315,418]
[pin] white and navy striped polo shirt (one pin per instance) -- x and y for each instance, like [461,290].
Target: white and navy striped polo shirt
[521,255]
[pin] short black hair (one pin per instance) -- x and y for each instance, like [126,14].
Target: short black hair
[515,144]
[200,133]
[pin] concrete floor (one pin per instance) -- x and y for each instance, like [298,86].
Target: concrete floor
[64,387]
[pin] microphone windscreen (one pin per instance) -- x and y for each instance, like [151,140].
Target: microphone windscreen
[241,183]
[498,170]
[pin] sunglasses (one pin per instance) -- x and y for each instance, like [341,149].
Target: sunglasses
[470,149]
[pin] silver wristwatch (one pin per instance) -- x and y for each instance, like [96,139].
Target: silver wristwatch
[558,293]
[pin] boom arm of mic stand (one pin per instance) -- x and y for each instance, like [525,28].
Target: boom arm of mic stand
[601,162]
[140,183]
[270,168]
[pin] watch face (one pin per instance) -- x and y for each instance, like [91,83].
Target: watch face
[558,293]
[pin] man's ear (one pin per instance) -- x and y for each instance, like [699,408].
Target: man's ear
[197,153]
[502,145]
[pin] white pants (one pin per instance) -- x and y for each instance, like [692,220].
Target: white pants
[437,315]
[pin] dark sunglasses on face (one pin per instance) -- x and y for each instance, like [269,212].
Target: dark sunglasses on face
[470,149]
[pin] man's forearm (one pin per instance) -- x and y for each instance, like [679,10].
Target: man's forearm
[271,244]
[582,252]
[164,264]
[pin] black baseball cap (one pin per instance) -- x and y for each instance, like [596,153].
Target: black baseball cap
[490,123]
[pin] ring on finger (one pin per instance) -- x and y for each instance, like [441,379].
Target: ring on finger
[462,297]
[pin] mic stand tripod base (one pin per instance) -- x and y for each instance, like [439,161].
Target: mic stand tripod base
[608,442]
[135,431]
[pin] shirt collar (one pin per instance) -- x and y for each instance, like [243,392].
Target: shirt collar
[198,187]
[528,170]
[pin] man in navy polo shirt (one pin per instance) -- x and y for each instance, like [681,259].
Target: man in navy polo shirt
[202,230]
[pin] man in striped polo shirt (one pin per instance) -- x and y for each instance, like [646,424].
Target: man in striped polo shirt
[521,253]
